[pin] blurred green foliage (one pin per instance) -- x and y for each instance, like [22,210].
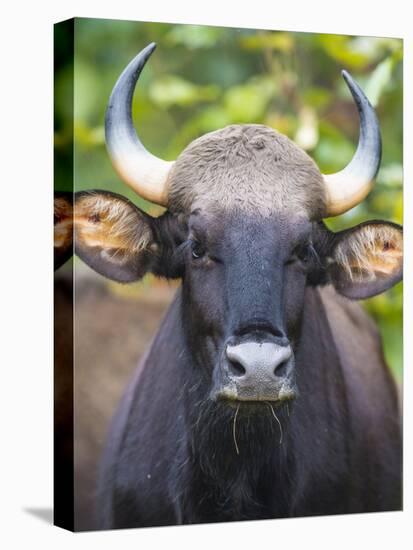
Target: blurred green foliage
[203,78]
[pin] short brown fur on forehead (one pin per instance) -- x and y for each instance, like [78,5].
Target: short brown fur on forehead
[250,167]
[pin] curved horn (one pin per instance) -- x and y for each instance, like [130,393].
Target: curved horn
[351,185]
[145,173]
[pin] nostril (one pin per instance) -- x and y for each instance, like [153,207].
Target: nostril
[236,368]
[281,369]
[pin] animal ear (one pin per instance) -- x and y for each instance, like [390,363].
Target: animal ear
[63,228]
[113,236]
[367,259]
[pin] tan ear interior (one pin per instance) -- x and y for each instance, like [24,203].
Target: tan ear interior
[373,251]
[63,223]
[109,223]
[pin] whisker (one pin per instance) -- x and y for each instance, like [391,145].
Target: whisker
[234,435]
[277,419]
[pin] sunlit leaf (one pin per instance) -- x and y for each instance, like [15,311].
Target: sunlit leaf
[194,36]
[398,209]
[88,137]
[244,104]
[316,97]
[333,150]
[280,41]
[86,94]
[378,81]
[213,118]
[341,49]
[172,90]
[391,175]
[247,102]
[286,124]
[307,132]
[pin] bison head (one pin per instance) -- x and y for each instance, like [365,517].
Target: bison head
[244,231]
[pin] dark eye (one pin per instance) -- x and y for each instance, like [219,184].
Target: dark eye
[198,250]
[304,253]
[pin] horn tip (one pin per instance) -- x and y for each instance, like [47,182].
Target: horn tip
[146,52]
[150,48]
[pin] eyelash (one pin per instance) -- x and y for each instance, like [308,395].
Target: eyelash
[193,245]
[197,250]
[305,253]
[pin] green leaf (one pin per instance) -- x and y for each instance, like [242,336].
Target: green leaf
[343,49]
[280,41]
[86,96]
[194,36]
[171,90]
[391,175]
[379,80]
[317,97]
[244,104]
[248,102]
[88,137]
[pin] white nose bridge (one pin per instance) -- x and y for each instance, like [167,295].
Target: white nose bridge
[259,358]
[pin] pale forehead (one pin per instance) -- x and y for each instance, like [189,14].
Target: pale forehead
[247,167]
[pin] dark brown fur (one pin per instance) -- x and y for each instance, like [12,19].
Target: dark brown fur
[243,232]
